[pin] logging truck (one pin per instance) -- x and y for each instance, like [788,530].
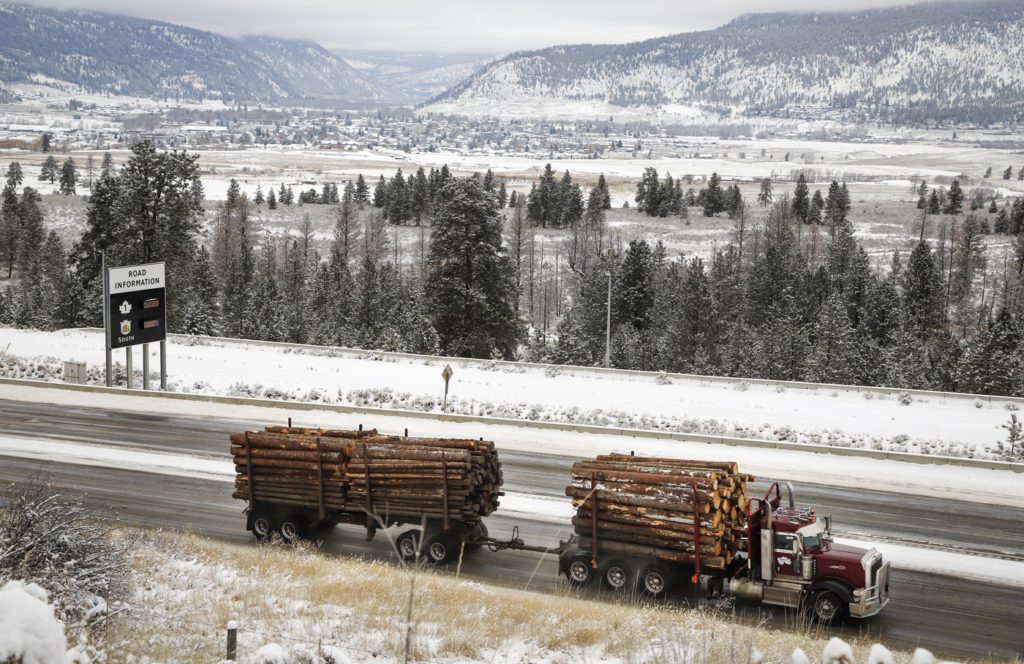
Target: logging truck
[642,525]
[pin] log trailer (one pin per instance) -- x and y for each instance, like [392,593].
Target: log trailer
[634,532]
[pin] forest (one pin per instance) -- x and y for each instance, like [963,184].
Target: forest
[793,297]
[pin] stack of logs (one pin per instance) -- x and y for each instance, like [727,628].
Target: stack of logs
[360,472]
[660,507]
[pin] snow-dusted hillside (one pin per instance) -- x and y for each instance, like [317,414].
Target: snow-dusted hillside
[945,61]
[119,55]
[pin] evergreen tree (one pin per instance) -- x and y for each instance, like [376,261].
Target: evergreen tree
[955,199]
[271,199]
[258,199]
[200,303]
[362,192]
[817,205]
[835,357]
[502,195]
[992,362]
[801,205]
[934,206]
[602,188]
[15,176]
[380,193]
[923,290]
[265,313]
[1008,173]
[346,229]
[9,228]
[764,197]
[648,192]
[48,172]
[68,177]
[714,198]
[634,288]
[470,277]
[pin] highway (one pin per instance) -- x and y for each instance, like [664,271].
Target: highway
[950,616]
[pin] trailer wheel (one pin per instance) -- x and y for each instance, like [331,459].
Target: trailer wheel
[408,545]
[578,569]
[827,607]
[261,527]
[441,548]
[292,529]
[654,580]
[617,576]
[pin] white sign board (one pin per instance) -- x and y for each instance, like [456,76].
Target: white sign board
[137,278]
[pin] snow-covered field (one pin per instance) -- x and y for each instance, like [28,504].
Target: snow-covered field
[854,417]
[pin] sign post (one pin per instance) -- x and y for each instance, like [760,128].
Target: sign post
[134,313]
[447,375]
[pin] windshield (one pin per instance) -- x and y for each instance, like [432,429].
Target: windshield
[813,535]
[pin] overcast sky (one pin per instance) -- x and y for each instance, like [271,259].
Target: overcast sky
[453,25]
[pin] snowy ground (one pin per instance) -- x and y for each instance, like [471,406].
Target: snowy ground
[854,417]
[345,610]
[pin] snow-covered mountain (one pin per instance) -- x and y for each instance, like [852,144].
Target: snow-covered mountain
[115,54]
[948,61]
[413,77]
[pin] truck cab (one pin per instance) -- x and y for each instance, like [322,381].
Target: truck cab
[792,561]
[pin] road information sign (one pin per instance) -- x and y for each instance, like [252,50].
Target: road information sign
[136,305]
[134,313]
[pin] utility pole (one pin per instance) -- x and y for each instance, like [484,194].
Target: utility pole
[608,326]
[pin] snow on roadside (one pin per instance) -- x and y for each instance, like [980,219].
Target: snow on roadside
[29,630]
[837,417]
[531,506]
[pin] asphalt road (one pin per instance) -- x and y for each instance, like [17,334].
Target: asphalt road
[951,617]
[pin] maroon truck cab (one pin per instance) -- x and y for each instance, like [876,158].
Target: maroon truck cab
[792,561]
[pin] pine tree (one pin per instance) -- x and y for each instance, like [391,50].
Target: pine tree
[988,173]
[362,192]
[634,288]
[922,290]
[934,206]
[68,177]
[764,197]
[9,227]
[800,205]
[502,195]
[817,205]
[922,198]
[45,141]
[714,198]
[470,276]
[992,362]
[48,172]
[602,187]
[346,228]
[1008,173]
[15,176]
[271,200]
[266,312]
[835,357]
[258,199]
[955,202]
[648,192]
[201,310]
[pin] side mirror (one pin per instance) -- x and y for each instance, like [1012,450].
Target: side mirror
[828,527]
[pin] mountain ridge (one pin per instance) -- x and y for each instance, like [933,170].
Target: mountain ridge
[941,61]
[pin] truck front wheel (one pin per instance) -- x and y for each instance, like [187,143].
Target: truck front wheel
[827,608]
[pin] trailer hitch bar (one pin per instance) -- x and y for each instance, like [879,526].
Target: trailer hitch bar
[514,544]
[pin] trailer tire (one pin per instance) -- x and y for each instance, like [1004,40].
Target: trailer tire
[408,545]
[827,607]
[654,580]
[617,575]
[578,569]
[441,548]
[261,527]
[292,529]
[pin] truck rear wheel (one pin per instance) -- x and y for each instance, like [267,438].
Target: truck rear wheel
[578,569]
[654,581]
[408,545]
[617,576]
[827,608]
[441,548]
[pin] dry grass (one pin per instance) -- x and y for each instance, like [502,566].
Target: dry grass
[188,588]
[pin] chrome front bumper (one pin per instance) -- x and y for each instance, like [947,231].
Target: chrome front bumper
[872,600]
